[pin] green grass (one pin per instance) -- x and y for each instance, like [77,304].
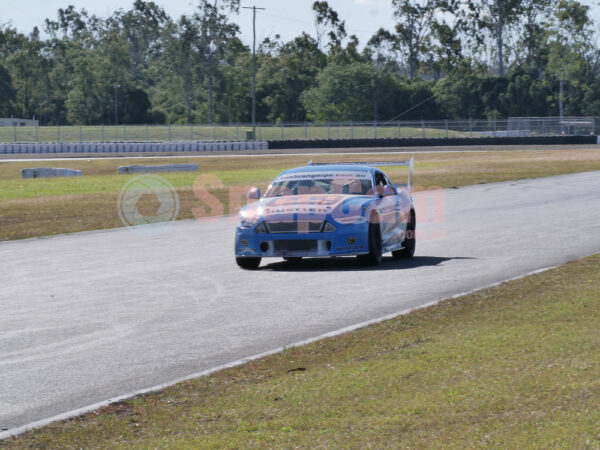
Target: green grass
[514,366]
[160,133]
[40,187]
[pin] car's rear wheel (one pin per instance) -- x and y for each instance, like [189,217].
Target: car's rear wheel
[375,255]
[248,263]
[410,242]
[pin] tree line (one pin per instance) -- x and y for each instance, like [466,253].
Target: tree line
[444,59]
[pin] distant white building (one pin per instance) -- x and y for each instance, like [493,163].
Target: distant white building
[14,122]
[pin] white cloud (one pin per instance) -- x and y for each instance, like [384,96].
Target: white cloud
[370,2]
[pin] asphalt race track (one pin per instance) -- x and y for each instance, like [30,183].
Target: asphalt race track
[92,316]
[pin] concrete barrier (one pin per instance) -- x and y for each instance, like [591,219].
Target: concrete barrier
[432,142]
[49,172]
[123,170]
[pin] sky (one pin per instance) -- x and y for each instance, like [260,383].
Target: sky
[288,18]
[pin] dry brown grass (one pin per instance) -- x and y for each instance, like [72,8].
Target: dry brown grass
[45,216]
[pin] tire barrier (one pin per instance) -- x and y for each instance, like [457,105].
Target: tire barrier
[123,170]
[225,146]
[49,172]
[129,147]
[432,142]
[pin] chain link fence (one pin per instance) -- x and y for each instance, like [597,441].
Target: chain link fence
[512,127]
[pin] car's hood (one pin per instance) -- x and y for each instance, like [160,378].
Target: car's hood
[307,207]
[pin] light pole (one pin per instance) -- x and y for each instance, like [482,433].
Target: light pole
[116,86]
[253,8]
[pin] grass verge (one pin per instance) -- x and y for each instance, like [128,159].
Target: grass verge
[39,207]
[513,366]
[164,133]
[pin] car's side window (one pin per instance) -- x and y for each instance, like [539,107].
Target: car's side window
[380,179]
[391,185]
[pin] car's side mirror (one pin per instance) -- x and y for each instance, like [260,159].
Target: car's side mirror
[385,191]
[254,194]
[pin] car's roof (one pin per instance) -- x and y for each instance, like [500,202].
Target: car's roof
[331,167]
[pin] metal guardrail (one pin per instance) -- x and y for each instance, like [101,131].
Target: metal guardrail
[512,127]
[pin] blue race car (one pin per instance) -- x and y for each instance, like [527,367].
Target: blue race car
[329,210]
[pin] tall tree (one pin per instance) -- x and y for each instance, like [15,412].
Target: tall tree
[534,19]
[215,31]
[7,93]
[446,48]
[142,30]
[328,22]
[284,76]
[343,93]
[414,19]
[379,51]
[569,43]
[180,65]
[495,17]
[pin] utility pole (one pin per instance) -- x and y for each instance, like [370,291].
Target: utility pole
[254,9]
[561,90]
[116,86]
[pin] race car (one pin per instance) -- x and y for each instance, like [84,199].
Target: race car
[327,211]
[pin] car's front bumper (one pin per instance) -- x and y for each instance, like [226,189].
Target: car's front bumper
[345,241]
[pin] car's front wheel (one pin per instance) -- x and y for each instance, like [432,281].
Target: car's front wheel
[375,255]
[248,263]
[410,242]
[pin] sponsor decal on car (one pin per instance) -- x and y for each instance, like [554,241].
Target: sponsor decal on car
[323,176]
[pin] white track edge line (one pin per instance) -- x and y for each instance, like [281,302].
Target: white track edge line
[90,408]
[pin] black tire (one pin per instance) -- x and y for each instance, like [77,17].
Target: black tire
[410,242]
[248,263]
[293,260]
[375,255]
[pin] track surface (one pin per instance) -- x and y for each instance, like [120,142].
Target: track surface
[96,315]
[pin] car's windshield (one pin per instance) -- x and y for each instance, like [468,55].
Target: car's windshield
[314,183]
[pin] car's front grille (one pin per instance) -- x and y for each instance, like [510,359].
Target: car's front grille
[295,227]
[296,246]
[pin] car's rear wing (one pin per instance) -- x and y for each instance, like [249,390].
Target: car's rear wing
[410,164]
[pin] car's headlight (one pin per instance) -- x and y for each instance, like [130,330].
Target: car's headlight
[247,222]
[328,228]
[262,228]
